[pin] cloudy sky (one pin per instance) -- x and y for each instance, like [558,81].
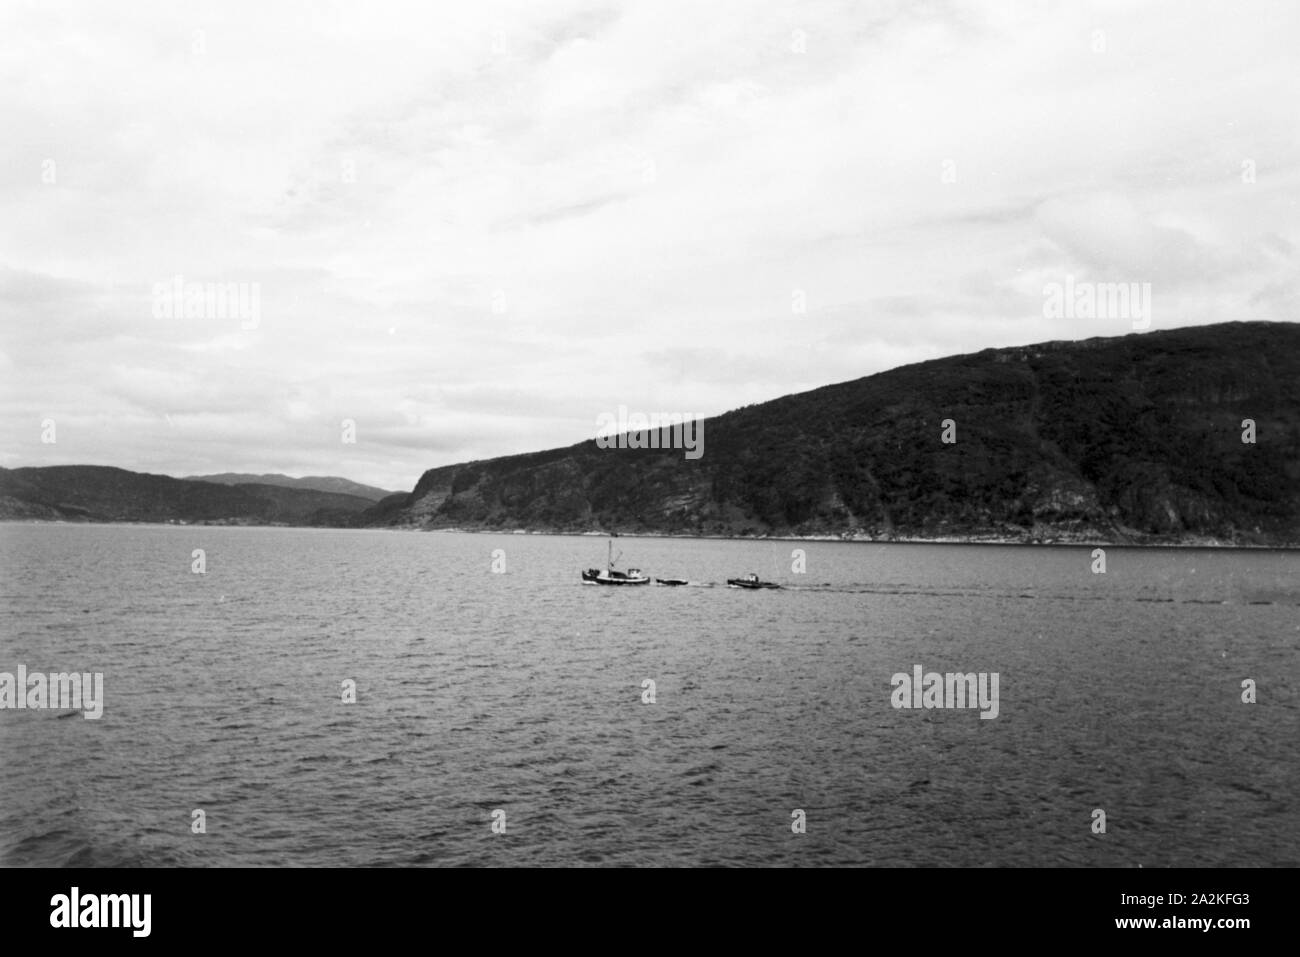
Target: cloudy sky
[472,228]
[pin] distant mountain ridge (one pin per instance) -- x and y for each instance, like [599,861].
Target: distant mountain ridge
[319,483]
[1131,439]
[100,493]
[1135,438]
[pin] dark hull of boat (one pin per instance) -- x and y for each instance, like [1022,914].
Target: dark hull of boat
[621,581]
[672,581]
[753,586]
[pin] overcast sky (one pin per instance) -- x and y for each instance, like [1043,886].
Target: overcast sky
[476,227]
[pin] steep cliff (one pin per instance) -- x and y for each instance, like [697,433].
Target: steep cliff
[1134,438]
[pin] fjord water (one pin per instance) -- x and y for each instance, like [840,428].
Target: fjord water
[522,691]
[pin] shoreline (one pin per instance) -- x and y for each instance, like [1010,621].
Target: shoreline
[972,540]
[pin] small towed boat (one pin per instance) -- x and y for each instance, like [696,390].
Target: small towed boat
[672,581]
[750,581]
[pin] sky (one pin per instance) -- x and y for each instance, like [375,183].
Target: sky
[473,229]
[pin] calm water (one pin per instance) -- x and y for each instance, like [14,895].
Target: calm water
[522,691]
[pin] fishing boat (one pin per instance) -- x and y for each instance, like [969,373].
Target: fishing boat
[612,576]
[750,581]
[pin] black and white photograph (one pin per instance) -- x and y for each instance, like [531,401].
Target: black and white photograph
[610,435]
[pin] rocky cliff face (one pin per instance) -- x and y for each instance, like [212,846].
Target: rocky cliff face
[1135,438]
